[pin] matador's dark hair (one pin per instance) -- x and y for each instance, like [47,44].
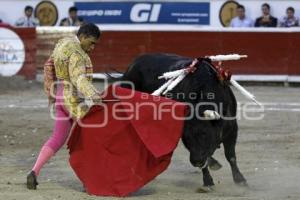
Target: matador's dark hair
[89,29]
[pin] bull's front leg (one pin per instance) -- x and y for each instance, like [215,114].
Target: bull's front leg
[208,182]
[229,148]
[207,179]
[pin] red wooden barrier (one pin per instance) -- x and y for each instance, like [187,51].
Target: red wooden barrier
[269,52]
[28,36]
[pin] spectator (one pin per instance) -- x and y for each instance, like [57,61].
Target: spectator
[290,19]
[241,20]
[28,20]
[266,20]
[73,19]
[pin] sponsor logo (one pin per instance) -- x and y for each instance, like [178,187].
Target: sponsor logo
[47,13]
[144,12]
[99,13]
[227,12]
[12,52]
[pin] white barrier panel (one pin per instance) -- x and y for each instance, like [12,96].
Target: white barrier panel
[241,78]
[185,28]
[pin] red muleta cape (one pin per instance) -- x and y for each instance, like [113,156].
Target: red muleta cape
[134,145]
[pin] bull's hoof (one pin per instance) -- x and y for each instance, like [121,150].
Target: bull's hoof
[243,184]
[208,181]
[240,180]
[214,164]
[211,115]
[205,189]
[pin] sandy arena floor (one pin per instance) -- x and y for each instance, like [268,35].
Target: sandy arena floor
[268,152]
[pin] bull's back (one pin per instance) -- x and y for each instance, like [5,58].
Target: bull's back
[144,71]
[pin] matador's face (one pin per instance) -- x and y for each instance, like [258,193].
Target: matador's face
[87,42]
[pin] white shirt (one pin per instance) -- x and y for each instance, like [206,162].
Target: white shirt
[27,22]
[286,22]
[237,22]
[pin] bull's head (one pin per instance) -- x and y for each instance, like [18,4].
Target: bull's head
[201,137]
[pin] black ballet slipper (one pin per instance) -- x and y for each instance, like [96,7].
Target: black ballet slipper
[31,181]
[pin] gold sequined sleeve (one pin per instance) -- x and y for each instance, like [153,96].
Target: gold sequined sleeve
[49,79]
[78,76]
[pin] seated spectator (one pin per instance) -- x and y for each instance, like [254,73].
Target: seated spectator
[73,19]
[241,20]
[290,19]
[28,20]
[266,20]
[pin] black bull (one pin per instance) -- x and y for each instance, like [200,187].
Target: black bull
[200,137]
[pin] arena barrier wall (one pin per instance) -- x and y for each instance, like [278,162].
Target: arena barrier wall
[269,53]
[274,54]
[28,35]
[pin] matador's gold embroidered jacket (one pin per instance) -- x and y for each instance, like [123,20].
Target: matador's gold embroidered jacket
[74,68]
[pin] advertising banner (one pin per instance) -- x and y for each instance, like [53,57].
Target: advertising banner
[145,13]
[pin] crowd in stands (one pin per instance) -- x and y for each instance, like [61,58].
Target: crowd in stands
[266,19]
[73,19]
[28,20]
[241,20]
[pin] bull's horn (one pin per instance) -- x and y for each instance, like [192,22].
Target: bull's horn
[211,115]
